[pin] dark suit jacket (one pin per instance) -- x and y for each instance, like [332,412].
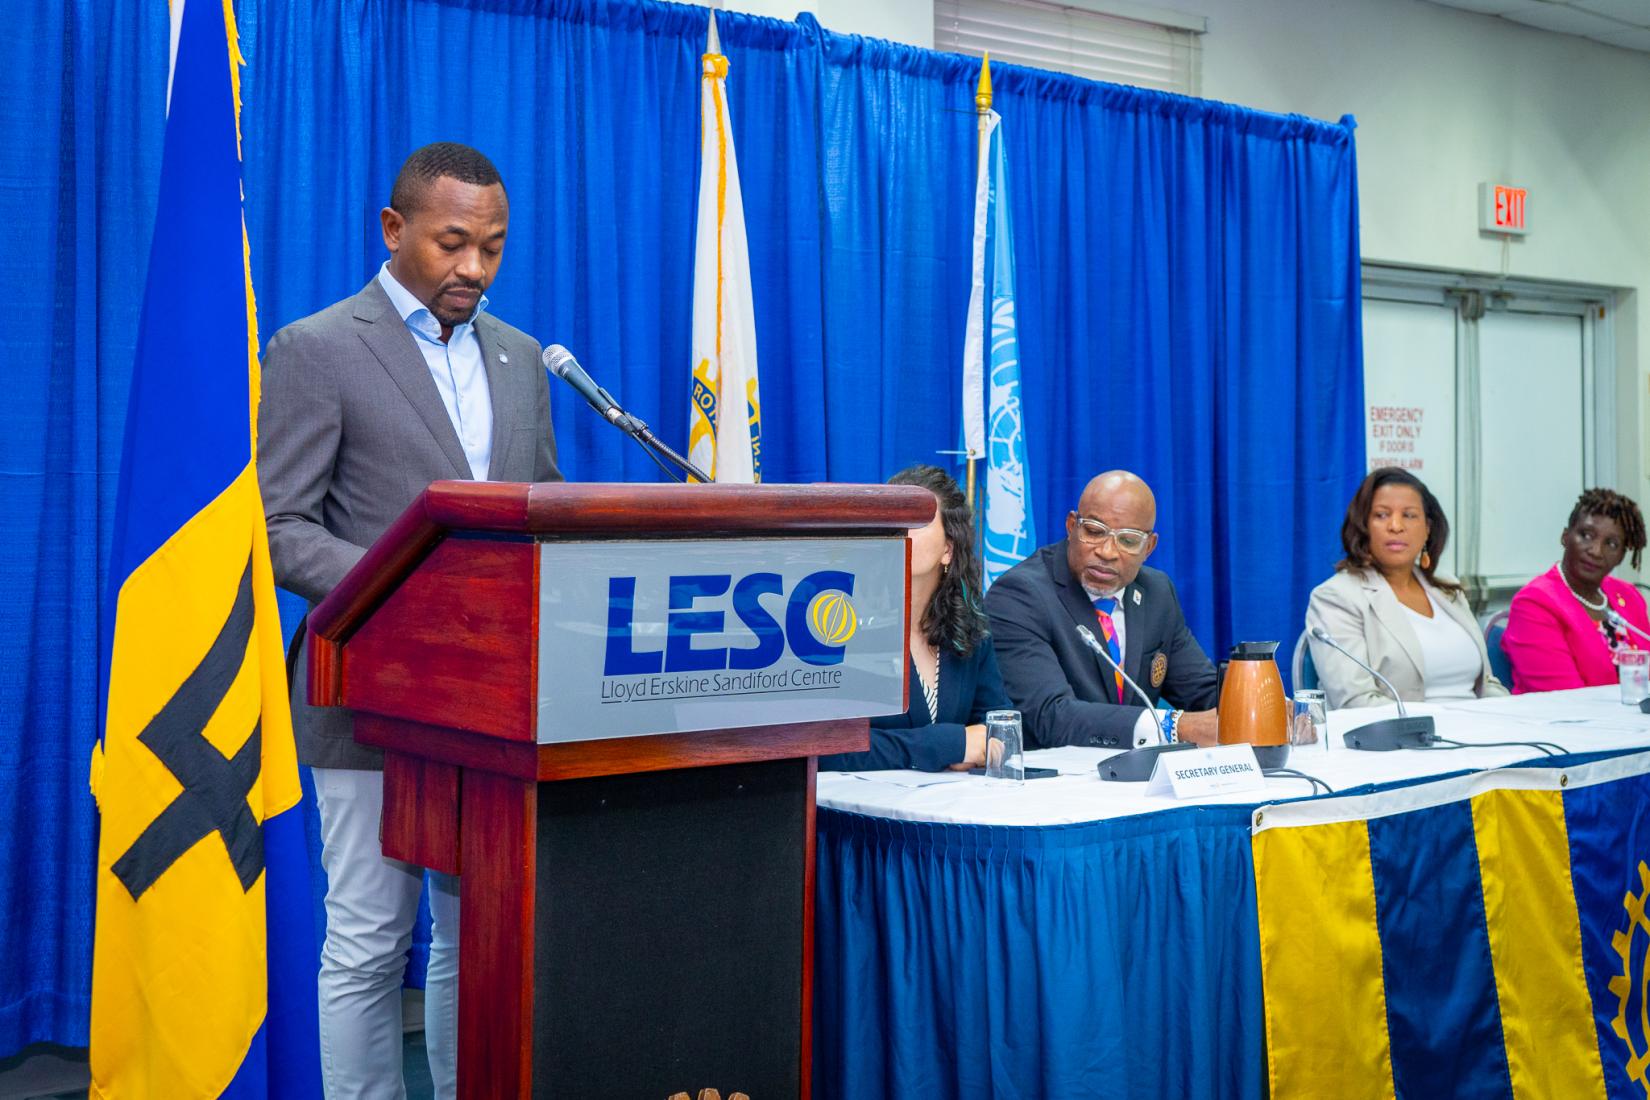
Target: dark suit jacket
[969,686]
[1066,694]
[350,430]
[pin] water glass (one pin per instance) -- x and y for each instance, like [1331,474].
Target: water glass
[1309,724]
[1005,756]
[1634,668]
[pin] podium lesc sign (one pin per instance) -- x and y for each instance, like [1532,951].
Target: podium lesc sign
[669,637]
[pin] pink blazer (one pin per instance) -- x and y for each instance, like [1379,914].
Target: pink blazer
[1553,643]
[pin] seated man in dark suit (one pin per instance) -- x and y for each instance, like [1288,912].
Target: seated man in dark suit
[1096,578]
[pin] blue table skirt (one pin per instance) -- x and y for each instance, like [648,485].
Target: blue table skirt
[1107,959]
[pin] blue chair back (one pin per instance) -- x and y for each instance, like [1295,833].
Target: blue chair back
[1302,673]
[1499,662]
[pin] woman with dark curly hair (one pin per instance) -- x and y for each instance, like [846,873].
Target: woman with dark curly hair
[1564,630]
[1388,604]
[953,670]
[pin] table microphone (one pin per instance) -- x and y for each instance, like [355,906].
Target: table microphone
[1385,734]
[1133,765]
[1618,620]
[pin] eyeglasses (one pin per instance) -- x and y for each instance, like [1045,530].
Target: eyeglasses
[1091,532]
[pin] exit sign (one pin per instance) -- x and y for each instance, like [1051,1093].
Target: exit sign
[1503,209]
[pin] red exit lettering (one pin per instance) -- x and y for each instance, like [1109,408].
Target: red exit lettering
[1509,207]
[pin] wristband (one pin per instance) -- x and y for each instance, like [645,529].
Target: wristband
[1171,725]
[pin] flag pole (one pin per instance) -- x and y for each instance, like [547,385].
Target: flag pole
[982,108]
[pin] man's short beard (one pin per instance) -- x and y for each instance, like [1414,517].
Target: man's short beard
[452,319]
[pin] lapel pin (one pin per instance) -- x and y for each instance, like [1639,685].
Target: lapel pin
[502,358]
[1137,597]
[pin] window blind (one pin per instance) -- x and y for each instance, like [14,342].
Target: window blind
[1089,44]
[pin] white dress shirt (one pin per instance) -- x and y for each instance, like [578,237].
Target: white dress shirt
[457,367]
[1448,656]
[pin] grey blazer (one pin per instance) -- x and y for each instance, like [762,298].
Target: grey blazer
[1360,612]
[350,429]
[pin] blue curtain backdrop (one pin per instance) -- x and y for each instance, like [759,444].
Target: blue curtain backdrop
[1188,288]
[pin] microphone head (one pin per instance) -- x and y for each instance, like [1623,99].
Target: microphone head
[1087,635]
[1320,634]
[557,360]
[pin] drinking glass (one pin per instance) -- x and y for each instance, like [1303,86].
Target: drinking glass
[1004,748]
[1309,724]
[1634,668]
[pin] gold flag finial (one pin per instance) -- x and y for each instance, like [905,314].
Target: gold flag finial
[982,95]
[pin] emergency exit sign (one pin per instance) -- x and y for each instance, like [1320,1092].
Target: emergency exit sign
[1503,209]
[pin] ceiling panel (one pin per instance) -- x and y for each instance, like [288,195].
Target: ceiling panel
[1613,22]
[1633,12]
[1552,17]
[1637,39]
[1491,7]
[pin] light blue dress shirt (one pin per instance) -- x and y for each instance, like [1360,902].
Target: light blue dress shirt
[457,367]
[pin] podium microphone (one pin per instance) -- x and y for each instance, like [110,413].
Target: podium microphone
[1134,765]
[560,362]
[1385,734]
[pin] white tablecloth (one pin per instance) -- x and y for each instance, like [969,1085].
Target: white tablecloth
[1586,720]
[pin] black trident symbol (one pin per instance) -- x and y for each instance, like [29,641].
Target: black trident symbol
[214,788]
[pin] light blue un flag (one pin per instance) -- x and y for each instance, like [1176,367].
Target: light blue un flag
[993,416]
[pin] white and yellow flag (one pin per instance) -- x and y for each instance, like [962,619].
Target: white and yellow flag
[725,425]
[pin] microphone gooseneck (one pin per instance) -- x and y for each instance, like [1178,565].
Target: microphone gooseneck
[1322,635]
[1618,619]
[1383,734]
[1132,765]
[1100,651]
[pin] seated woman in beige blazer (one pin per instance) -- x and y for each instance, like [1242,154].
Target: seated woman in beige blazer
[1386,604]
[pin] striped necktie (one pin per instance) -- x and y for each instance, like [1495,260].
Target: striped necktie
[1103,607]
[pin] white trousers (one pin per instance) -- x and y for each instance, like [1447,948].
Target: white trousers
[372,903]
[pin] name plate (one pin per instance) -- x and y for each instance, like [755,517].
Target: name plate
[661,637]
[1196,773]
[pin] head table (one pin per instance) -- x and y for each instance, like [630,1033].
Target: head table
[1071,937]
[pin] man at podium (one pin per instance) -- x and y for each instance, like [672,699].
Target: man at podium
[364,404]
[1077,691]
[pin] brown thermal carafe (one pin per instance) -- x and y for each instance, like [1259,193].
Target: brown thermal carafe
[1253,709]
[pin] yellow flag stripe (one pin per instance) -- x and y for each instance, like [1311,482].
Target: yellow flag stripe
[1535,940]
[1320,956]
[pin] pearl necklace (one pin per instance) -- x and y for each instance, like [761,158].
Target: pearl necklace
[1603,602]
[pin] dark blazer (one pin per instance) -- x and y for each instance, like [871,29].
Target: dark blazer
[350,430]
[969,686]
[1067,695]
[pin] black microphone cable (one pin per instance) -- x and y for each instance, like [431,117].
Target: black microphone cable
[1291,773]
[1549,747]
[657,461]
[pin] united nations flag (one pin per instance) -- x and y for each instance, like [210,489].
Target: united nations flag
[993,415]
[204,963]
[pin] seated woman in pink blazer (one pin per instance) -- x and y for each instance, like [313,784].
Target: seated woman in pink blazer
[1563,630]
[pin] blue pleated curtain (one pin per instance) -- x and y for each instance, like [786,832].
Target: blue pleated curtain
[1188,301]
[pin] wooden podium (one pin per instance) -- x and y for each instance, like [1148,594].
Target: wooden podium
[637,909]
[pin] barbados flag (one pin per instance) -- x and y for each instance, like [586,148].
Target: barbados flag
[203,972]
[1481,936]
[725,418]
[993,415]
